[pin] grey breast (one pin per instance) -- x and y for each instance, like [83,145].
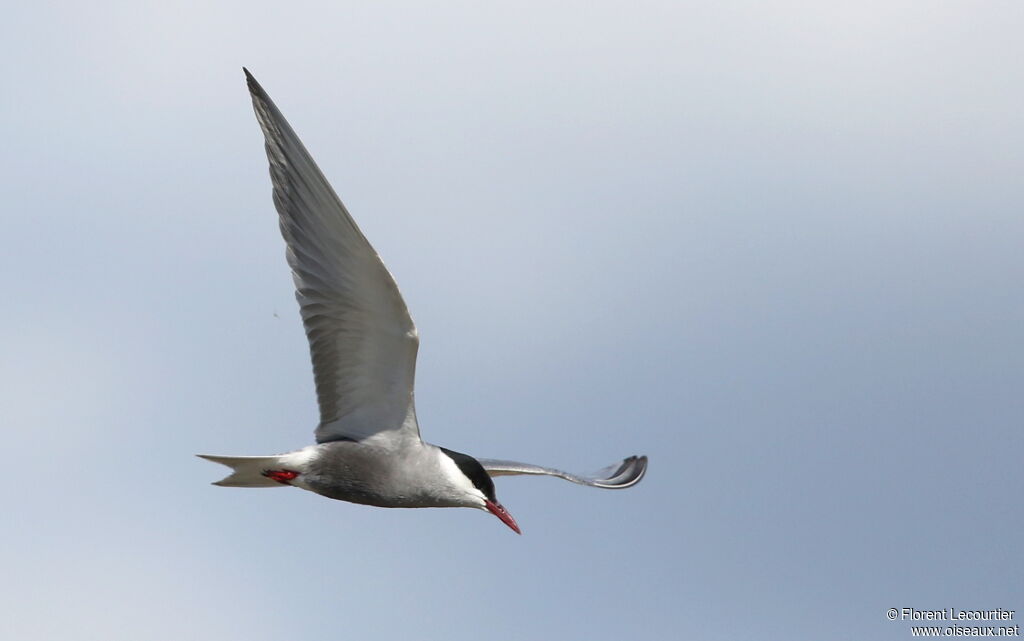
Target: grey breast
[371,475]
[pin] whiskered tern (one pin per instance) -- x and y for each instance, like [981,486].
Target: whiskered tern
[363,345]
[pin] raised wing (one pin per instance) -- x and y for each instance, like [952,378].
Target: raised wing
[361,338]
[614,477]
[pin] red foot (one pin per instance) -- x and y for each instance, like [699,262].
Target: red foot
[281,476]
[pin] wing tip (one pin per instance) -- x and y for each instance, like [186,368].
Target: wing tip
[641,462]
[629,473]
[254,86]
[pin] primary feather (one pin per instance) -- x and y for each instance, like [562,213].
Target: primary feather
[362,339]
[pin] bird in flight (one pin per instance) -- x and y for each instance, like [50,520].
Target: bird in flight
[363,345]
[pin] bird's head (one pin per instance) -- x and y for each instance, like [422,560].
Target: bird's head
[476,486]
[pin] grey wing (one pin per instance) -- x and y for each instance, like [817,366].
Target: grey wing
[362,340]
[617,476]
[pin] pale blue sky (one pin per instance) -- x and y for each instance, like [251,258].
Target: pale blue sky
[775,246]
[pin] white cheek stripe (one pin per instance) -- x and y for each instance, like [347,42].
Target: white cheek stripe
[455,476]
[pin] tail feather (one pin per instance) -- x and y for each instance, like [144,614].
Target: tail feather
[247,471]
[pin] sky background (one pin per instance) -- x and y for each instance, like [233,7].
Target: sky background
[775,246]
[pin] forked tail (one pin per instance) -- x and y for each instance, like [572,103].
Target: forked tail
[248,471]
